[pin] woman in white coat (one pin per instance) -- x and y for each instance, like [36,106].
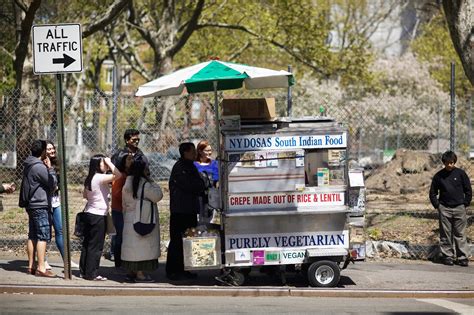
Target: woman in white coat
[140,253]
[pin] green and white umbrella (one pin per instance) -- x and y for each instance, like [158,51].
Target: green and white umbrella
[215,76]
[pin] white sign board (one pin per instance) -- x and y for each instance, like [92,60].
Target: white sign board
[274,142]
[323,239]
[299,200]
[57,48]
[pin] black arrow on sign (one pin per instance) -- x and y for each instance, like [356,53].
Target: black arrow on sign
[66,60]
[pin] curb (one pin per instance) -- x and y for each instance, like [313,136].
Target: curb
[230,292]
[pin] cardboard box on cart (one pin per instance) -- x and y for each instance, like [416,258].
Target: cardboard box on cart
[250,108]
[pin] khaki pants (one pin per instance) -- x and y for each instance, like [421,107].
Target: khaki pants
[452,230]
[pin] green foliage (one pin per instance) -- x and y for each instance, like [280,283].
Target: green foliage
[278,33]
[374,233]
[435,47]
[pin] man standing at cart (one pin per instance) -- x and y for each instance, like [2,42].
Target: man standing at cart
[186,185]
[455,193]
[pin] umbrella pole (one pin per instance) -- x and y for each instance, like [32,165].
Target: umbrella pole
[218,140]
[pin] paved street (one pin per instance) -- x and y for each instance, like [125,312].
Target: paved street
[59,304]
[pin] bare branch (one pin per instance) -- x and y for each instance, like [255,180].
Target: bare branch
[192,25]
[6,52]
[114,10]
[145,33]
[130,56]
[239,52]
[21,5]
[283,47]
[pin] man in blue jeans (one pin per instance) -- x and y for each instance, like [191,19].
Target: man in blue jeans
[39,180]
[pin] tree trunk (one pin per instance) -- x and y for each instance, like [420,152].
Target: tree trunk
[460,16]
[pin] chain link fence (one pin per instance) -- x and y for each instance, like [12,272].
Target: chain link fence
[397,144]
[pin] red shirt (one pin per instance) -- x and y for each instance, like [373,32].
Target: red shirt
[117,186]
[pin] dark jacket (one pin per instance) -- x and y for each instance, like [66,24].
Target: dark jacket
[186,185]
[118,156]
[453,187]
[37,184]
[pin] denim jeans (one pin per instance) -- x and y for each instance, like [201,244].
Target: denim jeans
[58,229]
[116,247]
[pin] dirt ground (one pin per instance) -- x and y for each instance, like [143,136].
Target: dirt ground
[398,206]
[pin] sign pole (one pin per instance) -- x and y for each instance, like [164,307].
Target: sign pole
[57,49]
[62,176]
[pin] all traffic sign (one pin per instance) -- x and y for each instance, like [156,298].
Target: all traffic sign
[57,48]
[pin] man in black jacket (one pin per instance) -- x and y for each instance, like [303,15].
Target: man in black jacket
[455,193]
[185,186]
[132,140]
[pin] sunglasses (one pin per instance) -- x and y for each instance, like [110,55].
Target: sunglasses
[135,140]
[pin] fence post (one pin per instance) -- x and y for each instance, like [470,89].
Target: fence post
[289,98]
[452,128]
[469,126]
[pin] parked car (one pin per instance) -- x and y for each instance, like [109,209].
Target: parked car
[160,165]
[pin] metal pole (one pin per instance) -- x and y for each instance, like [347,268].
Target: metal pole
[399,128]
[289,98]
[469,126]
[218,141]
[62,176]
[452,129]
[359,149]
[438,112]
[115,78]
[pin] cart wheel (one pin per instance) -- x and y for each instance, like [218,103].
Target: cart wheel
[238,278]
[324,273]
[246,271]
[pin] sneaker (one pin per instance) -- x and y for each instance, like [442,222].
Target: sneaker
[146,279]
[448,261]
[190,275]
[175,276]
[98,278]
[463,263]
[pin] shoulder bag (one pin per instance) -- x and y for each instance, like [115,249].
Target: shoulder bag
[80,223]
[144,228]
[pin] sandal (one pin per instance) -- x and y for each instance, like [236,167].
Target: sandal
[31,271]
[46,273]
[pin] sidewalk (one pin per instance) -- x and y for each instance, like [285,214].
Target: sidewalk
[397,278]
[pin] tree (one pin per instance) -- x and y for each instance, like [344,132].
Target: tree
[434,47]
[460,19]
[25,14]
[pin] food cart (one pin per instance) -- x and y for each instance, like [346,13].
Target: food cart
[287,201]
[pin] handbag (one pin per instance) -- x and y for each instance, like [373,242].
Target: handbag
[144,228]
[109,225]
[80,224]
